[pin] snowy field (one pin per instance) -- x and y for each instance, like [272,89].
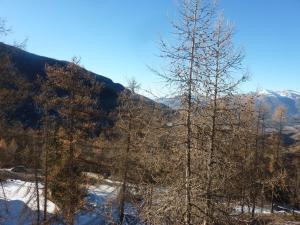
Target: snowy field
[18,204]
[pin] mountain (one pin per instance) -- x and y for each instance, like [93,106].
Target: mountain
[172,102]
[284,94]
[29,66]
[289,99]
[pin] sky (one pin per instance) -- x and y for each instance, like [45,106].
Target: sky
[119,38]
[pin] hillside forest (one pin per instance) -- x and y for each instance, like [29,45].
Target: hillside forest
[220,157]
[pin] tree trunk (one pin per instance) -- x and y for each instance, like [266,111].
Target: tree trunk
[255,170]
[272,201]
[243,201]
[36,183]
[189,128]
[71,207]
[262,199]
[211,153]
[124,183]
[46,169]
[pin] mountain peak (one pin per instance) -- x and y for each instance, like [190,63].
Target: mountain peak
[285,93]
[290,94]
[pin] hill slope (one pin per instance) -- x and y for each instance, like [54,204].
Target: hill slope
[288,99]
[29,66]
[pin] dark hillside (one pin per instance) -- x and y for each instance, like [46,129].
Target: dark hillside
[30,65]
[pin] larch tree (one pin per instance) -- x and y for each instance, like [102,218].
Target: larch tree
[134,121]
[256,177]
[129,120]
[75,105]
[276,167]
[243,149]
[185,62]
[45,99]
[223,61]
[14,88]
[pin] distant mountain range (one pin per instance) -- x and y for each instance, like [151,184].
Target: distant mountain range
[289,99]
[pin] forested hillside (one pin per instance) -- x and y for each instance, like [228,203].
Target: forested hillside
[77,148]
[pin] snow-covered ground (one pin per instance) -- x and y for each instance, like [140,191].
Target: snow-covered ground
[18,203]
[265,210]
[25,191]
[258,210]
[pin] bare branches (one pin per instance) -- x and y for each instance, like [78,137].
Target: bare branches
[3,29]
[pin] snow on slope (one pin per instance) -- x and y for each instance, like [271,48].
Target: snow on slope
[175,102]
[18,207]
[286,93]
[18,202]
[258,210]
[290,94]
[290,100]
[25,192]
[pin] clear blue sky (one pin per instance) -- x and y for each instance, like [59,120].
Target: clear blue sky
[118,38]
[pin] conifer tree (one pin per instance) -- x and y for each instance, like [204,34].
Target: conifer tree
[75,104]
[222,61]
[135,116]
[185,60]
[276,168]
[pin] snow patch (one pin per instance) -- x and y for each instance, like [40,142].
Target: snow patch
[287,93]
[25,192]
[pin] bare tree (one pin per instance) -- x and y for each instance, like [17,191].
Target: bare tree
[129,118]
[135,118]
[184,72]
[219,86]
[276,168]
[3,28]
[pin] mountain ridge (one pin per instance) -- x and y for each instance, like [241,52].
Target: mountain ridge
[283,93]
[29,66]
[290,99]
[32,64]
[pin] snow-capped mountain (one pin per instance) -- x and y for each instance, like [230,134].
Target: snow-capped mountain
[289,99]
[287,93]
[272,99]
